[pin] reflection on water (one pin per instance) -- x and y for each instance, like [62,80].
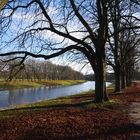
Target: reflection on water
[29,95]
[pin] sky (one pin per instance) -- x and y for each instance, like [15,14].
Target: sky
[21,21]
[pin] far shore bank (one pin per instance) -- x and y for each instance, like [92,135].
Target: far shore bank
[18,84]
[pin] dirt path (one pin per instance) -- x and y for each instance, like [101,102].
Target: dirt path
[134,107]
[134,112]
[134,115]
[131,98]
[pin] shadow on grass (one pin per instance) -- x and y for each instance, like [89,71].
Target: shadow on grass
[83,104]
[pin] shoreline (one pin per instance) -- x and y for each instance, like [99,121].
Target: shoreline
[57,100]
[34,84]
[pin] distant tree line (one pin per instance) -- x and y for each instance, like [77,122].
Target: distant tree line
[109,77]
[39,70]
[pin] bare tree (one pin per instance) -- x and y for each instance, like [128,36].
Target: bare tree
[123,20]
[88,37]
[47,29]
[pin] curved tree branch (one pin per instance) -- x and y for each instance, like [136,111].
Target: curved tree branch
[79,16]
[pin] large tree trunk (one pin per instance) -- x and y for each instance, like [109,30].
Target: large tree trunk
[101,38]
[117,78]
[117,82]
[123,81]
[100,81]
[129,75]
[128,81]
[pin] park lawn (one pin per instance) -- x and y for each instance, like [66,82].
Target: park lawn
[17,84]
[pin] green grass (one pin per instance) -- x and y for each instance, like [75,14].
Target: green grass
[102,105]
[16,84]
[67,101]
[60,82]
[42,106]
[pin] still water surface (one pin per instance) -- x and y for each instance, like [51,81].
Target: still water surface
[30,95]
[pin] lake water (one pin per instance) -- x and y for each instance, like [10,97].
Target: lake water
[30,95]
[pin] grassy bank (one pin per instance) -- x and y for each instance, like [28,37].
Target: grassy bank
[60,82]
[17,84]
[84,99]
